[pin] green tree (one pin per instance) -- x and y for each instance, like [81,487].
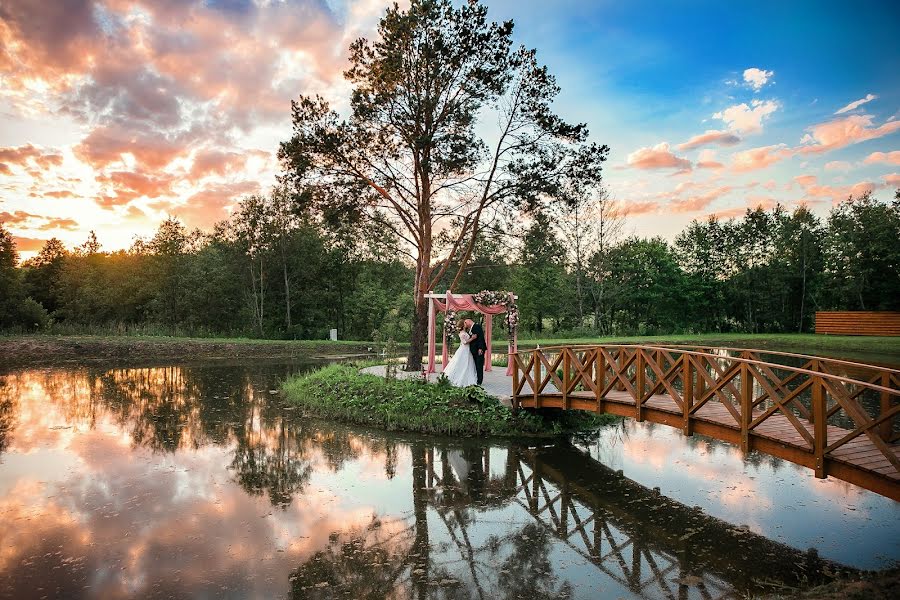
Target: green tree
[646,287]
[799,248]
[410,157]
[862,256]
[540,276]
[169,246]
[11,294]
[701,253]
[42,273]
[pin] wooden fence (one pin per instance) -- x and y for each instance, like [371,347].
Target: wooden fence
[836,417]
[858,323]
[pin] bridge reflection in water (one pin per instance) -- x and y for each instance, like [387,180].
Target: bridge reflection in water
[646,543]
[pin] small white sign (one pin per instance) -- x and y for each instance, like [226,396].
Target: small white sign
[332,335]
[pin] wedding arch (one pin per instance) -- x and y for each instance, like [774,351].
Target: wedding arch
[488,303]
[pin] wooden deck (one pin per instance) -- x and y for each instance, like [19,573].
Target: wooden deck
[735,399]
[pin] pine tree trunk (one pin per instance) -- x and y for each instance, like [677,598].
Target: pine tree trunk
[287,291]
[419,332]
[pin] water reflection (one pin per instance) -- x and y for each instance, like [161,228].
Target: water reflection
[197,482]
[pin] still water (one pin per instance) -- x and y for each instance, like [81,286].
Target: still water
[197,482]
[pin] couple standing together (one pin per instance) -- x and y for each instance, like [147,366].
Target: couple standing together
[467,365]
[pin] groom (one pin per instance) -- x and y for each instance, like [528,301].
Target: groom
[477,346]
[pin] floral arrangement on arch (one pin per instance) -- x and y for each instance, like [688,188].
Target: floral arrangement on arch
[450,326]
[507,299]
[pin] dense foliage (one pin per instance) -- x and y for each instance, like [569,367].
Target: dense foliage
[267,273]
[341,392]
[260,274]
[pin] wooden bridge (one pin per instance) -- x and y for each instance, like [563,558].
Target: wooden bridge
[836,417]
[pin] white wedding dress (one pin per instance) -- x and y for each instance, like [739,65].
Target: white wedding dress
[461,368]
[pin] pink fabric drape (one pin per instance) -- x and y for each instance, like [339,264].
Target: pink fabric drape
[431,321]
[465,302]
[488,329]
[445,352]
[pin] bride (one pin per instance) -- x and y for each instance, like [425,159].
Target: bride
[461,368]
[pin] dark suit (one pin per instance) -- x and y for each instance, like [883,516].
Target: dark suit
[476,345]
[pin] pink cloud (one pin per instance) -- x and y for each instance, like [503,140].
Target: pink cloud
[711,136]
[710,164]
[838,165]
[21,156]
[836,194]
[17,218]
[211,205]
[68,224]
[166,88]
[839,133]
[657,157]
[758,158]
[892,179]
[699,201]
[751,203]
[27,244]
[891,158]
[770,185]
[640,207]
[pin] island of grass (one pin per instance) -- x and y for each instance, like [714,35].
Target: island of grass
[342,393]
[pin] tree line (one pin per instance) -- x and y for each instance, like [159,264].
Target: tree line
[265,272]
[271,272]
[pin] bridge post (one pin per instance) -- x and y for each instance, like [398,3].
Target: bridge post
[639,385]
[599,378]
[567,377]
[687,393]
[537,376]
[820,425]
[746,405]
[886,428]
[514,359]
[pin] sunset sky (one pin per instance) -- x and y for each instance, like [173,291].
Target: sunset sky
[117,113]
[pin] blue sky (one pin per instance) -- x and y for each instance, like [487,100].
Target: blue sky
[117,113]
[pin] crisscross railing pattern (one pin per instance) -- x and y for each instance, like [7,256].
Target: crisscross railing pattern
[837,417]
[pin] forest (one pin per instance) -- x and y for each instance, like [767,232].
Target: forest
[270,271]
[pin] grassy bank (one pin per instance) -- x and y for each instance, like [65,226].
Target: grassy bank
[340,392]
[42,349]
[32,350]
[877,585]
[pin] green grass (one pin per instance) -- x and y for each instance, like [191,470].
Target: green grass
[125,338]
[342,393]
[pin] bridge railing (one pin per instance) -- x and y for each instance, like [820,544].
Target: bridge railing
[827,403]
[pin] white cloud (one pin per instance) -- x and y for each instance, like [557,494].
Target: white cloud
[856,104]
[747,119]
[838,165]
[757,78]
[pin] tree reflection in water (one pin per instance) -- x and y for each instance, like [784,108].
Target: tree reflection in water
[476,520]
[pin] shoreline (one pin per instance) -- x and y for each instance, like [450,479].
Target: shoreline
[68,350]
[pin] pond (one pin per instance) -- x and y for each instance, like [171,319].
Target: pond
[195,481]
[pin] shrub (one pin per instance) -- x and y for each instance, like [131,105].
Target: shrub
[341,392]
